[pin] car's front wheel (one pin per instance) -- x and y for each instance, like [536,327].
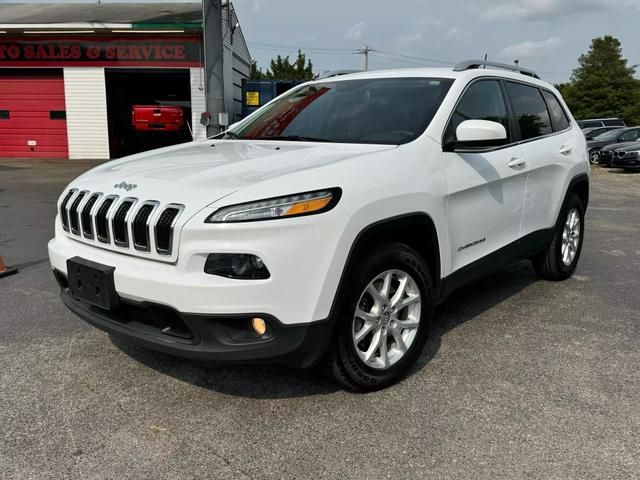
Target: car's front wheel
[383,319]
[594,157]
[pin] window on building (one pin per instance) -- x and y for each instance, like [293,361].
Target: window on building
[5,115]
[57,115]
[530,109]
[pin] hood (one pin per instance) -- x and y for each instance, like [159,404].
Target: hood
[616,146]
[200,173]
[629,147]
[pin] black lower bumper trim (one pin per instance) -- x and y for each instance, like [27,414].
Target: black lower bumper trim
[207,337]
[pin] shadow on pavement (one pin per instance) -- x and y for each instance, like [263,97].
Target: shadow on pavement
[276,382]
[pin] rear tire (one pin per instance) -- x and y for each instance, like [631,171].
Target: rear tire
[383,319]
[559,261]
[594,157]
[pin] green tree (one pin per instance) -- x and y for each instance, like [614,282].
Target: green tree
[603,85]
[283,69]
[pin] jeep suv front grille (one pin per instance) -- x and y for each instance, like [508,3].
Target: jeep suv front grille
[120,223]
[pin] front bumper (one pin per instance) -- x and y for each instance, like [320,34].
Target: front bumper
[222,338]
[628,163]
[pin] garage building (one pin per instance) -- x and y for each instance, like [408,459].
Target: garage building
[71,74]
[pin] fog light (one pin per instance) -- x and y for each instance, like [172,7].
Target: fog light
[237,266]
[259,326]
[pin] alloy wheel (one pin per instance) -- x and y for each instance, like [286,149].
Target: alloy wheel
[386,320]
[571,237]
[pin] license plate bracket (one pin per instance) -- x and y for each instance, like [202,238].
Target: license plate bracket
[92,283]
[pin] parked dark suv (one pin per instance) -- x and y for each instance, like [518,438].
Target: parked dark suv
[622,135]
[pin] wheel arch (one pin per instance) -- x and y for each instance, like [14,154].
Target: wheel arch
[581,187]
[417,230]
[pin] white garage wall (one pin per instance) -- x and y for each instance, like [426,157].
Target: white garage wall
[86,103]
[198,103]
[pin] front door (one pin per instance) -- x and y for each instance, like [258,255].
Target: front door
[485,188]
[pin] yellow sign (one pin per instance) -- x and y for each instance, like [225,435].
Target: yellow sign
[253,99]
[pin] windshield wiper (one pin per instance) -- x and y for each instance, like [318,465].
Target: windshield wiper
[294,138]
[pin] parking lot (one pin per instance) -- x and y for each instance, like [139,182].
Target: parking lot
[521,379]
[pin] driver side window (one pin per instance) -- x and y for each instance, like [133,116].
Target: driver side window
[483,100]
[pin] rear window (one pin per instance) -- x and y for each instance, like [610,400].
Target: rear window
[530,109]
[558,115]
[590,124]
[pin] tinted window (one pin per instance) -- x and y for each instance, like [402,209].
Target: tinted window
[380,111]
[630,135]
[614,123]
[4,115]
[483,100]
[530,110]
[559,116]
[590,124]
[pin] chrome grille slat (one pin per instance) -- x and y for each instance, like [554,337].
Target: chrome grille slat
[102,222]
[64,214]
[146,227]
[164,229]
[86,218]
[140,227]
[74,218]
[119,223]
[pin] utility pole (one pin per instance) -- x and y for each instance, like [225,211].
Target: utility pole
[213,62]
[365,51]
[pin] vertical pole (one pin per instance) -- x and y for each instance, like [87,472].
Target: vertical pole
[213,61]
[366,58]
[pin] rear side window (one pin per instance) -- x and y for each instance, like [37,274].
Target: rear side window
[530,110]
[614,123]
[558,115]
[590,124]
[483,100]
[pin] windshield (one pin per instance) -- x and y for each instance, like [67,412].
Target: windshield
[610,135]
[379,111]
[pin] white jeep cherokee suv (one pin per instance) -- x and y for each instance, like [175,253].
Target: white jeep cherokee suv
[323,228]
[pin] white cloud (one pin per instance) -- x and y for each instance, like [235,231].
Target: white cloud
[356,32]
[529,48]
[551,9]
[456,33]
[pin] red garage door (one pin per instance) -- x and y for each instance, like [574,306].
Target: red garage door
[32,115]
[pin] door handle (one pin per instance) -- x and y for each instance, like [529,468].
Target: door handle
[565,150]
[517,162]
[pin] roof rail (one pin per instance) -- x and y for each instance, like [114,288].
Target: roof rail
[474,64]
[336,73]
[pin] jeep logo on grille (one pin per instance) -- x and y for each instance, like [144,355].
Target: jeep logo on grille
[125,186]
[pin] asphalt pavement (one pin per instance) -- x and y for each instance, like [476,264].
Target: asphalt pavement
[522,378]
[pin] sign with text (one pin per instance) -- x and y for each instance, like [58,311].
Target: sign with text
[101,52]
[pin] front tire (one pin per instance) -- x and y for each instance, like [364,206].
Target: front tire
[594,157]
[561,258]
[383,319]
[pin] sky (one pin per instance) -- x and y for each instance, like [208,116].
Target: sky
[545,35]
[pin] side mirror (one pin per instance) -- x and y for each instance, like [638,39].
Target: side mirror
[480,133]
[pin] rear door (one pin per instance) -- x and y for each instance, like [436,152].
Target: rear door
[550,147]
[485,186]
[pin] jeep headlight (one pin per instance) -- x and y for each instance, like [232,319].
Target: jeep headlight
[297,205]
